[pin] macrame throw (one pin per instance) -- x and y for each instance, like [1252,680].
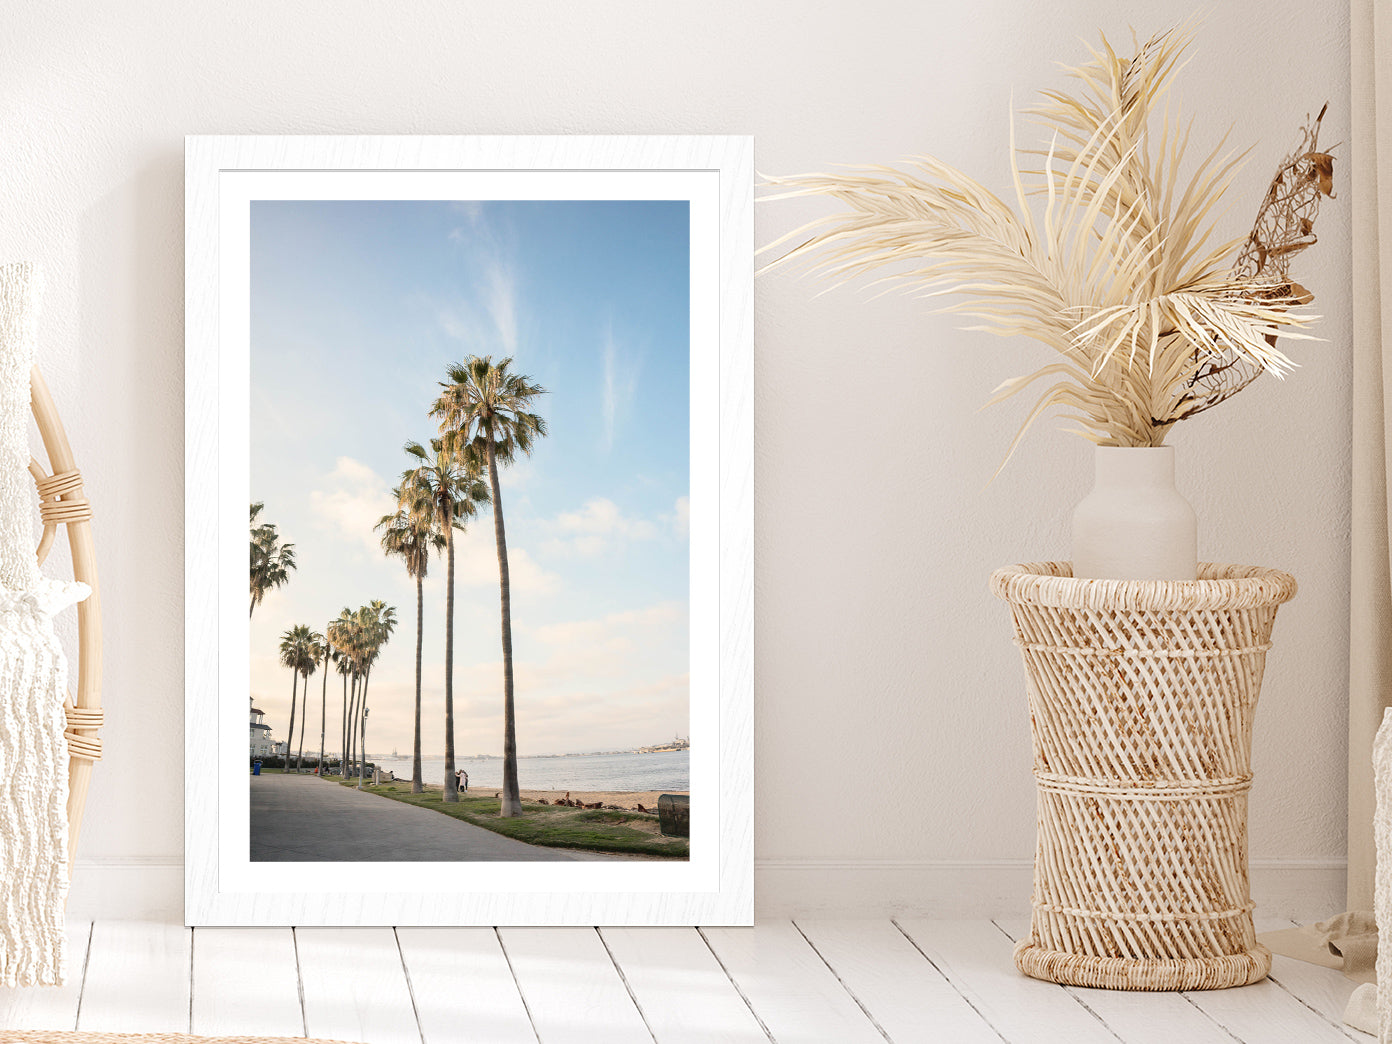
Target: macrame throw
[33,680]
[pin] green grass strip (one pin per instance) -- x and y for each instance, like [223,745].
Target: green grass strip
[551,826]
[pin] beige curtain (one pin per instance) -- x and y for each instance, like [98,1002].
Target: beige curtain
[1370,631]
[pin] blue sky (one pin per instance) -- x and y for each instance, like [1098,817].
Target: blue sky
[357,309]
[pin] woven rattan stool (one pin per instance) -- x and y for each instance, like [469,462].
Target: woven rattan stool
[1141,696]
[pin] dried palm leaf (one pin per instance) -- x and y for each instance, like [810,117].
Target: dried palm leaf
[1119,273]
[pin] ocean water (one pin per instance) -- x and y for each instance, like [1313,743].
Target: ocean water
[664,770]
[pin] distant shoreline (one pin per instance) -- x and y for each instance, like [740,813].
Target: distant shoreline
[524,757]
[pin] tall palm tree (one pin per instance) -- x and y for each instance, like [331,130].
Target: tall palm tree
[307,667]
[448,489]
[343,632]
[271,561]
[326,653]
[294,651]
[484,414]
[378,622]
[411,536]
[344,665]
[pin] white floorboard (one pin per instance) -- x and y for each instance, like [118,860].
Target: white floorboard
[137,978]
[683,993]
[355,986]
[910,1000]
[573,991]
[1140,1018]
[1324,990]
[231,966]
[789,987]
[978,958]
[1266,1014]
[818,981]
[50,1008]
[463,987]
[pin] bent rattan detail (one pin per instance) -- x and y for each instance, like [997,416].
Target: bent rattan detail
[62,502]
[1141,697]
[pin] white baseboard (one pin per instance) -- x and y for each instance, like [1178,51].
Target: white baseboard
[1303,890]
[127,890]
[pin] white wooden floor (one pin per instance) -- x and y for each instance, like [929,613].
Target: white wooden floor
[829,982]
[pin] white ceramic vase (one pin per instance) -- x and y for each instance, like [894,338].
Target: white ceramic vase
[1134,525]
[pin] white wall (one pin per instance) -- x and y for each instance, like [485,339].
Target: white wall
[893,756]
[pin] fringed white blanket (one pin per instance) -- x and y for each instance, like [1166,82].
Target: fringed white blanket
[1382,882]
[33,681]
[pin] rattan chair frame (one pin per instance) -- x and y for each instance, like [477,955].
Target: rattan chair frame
[63,502]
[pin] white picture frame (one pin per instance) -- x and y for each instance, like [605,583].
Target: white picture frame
[713,887]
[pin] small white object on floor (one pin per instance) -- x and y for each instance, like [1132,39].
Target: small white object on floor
[1362,1012]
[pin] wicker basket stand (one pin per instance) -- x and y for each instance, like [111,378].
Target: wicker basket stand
[1141,697]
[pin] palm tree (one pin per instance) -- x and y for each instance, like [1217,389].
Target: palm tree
[271,561]
[326,653]
[307,667]
[411,537]
[345,669]
[484,414]
[294,651]
[378,621]
[343,632]
[447,489]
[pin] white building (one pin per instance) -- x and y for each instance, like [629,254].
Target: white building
[262,746]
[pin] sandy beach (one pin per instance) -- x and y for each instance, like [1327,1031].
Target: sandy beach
[627,799]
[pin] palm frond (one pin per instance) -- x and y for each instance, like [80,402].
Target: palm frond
[1108,253]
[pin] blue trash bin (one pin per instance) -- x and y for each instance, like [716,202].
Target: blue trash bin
[256,768]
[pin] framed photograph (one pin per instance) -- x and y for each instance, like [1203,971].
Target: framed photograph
[485,405]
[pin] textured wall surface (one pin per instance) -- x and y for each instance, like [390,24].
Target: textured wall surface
[891,731]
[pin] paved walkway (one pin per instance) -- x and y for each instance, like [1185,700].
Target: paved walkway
[306,819]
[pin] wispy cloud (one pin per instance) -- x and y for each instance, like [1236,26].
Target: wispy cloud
[620,370]
[500,298]
[486,322]
[471,213]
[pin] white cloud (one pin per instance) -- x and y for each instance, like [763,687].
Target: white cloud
[616,631]
[680,518]
[598,527]
[476,563]
[351,500]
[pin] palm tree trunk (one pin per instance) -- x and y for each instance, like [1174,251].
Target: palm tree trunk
[304,712]
[352,720]
[417,783]
[512,797]
[323,710]
[362,732]
[290,736]
[252,611]
[451,793]
[343,734]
